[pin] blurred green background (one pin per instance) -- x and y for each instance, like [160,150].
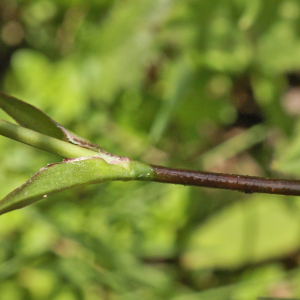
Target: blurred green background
[211,85]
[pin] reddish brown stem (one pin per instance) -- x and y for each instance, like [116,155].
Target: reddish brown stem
[247,184]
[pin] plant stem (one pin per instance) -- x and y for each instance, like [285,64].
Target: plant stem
[43,142]
[247,184]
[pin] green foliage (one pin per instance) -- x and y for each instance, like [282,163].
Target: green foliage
[70,173]
[86,162]
[30,117]
[164,82]
[245,232]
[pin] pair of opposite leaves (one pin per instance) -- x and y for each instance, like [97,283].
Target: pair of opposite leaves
[85,163]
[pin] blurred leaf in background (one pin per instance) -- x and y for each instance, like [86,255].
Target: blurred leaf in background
[210,85]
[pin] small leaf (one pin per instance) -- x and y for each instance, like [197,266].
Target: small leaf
[70,173]
[31,117]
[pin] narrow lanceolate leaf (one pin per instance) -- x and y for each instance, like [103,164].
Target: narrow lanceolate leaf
[71,173]
[44,142]
[31,117]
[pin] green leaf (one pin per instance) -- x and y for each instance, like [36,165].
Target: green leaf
[48,143]
[243,233]
[31,117]
[71,173]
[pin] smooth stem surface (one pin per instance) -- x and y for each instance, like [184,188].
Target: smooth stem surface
[247,184]
[42,141]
